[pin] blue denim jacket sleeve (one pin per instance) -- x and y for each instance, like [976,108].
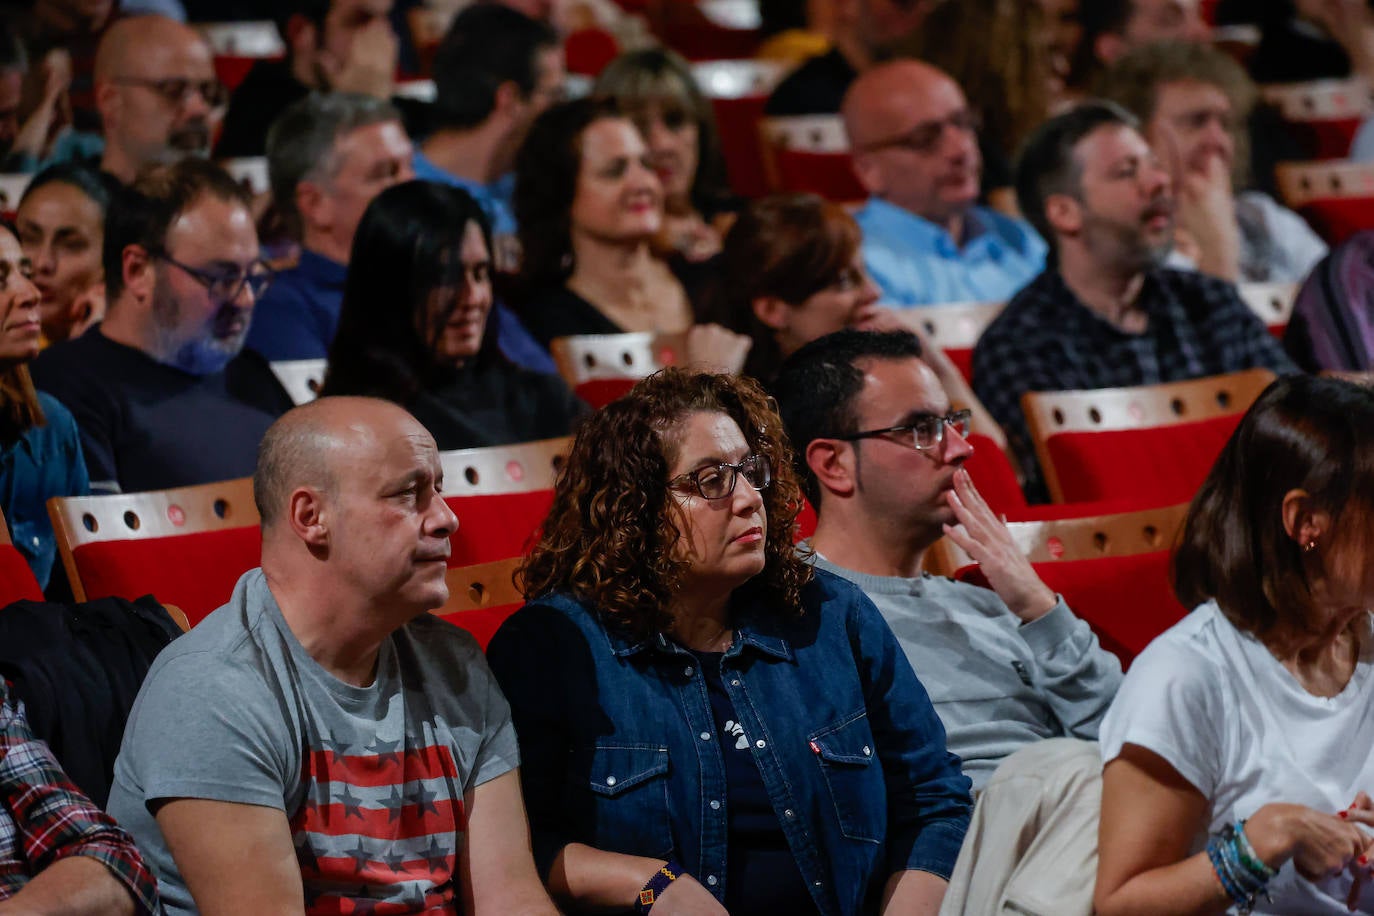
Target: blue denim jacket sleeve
[929,802]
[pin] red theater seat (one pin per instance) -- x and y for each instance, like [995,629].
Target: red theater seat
[602,367]
[1323,116]
[811,153]
[738,90]
[954,328]
[1112,570]
[1337,198]
[186,546]
[1152,443]
[17,582]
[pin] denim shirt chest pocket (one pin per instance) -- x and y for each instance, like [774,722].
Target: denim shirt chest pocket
[628,789]
[848,760]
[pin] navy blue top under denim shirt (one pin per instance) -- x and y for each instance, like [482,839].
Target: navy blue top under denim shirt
[46,461]
[619,751]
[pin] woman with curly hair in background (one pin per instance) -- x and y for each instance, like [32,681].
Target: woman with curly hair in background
[703,717]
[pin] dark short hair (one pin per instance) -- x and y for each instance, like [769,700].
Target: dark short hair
[1048,165]
[787,246]
[99,187]
[1303,432]
[407,246]
[486,45]
[301,142]
[610,535]
[142,212]
[817,385]
[313,11]
[546,170]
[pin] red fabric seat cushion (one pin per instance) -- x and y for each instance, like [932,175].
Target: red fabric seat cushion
[994,476]
[17,582]
[1128,601]
[830,175]
[1338,218]
[1160,465]
[737,121]
[602,391]
[496,527]
[196,572]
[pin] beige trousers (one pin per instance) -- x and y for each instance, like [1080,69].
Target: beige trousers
[1032,845]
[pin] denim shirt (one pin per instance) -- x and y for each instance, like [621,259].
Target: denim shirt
[46,461]
[619,749]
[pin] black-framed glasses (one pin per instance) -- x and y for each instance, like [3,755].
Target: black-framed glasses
[925,137]
[225,285]
[176,90]
[718,481]
[927,432]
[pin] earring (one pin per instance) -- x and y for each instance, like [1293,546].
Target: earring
[1309,546]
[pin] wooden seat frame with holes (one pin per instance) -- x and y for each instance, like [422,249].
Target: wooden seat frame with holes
[301,378]
[493,470]
[482,585]
[1049,413]
[1272,303]
[1062,540]
[80,520]
[1301,183]
[589,357]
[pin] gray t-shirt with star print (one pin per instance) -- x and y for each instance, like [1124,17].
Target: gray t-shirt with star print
[371,779]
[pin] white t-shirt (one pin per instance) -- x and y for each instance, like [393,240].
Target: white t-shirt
[1216,705]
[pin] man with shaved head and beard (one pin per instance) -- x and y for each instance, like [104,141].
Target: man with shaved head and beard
[321,744]
[1105,314]
[157,94]
[926,240]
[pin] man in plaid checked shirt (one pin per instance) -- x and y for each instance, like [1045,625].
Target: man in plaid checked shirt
[1104,314]
[58,851]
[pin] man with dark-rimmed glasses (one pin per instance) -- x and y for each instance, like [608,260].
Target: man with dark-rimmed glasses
[880,450]
[157,93]
[160,390]
[926,240]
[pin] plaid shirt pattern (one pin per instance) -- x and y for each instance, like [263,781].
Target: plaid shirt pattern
[1047,340]
[44,817]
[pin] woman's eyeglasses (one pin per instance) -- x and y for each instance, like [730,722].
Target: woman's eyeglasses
[719,481]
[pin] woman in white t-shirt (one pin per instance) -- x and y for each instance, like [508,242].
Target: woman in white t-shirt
[1241,744]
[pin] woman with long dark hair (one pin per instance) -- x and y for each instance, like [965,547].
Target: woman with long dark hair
[414,328]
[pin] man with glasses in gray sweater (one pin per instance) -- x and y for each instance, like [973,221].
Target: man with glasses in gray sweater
[1009,668]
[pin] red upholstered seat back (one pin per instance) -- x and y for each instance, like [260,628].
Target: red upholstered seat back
[497,526]
[1128,600]
[195,572]
[599,392]
[1155,466]
[830,175]
[1338,218]
[1328,138]
[994,476]
[737,121]
[17,582]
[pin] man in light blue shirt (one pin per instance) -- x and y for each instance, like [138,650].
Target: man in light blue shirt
[926,241]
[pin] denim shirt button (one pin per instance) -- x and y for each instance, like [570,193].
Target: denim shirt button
[705,736]
[711,880]
[687,672]
[868,752]
[715,804]
[735,682]
[610,780]
[787,813]
[760,743]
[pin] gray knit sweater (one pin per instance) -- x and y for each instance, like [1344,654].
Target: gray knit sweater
[996,683]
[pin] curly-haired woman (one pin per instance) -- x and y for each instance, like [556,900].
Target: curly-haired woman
[703,717]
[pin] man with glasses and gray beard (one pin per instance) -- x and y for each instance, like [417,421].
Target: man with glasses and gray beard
[926,240]
[157,94]
[161,393]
